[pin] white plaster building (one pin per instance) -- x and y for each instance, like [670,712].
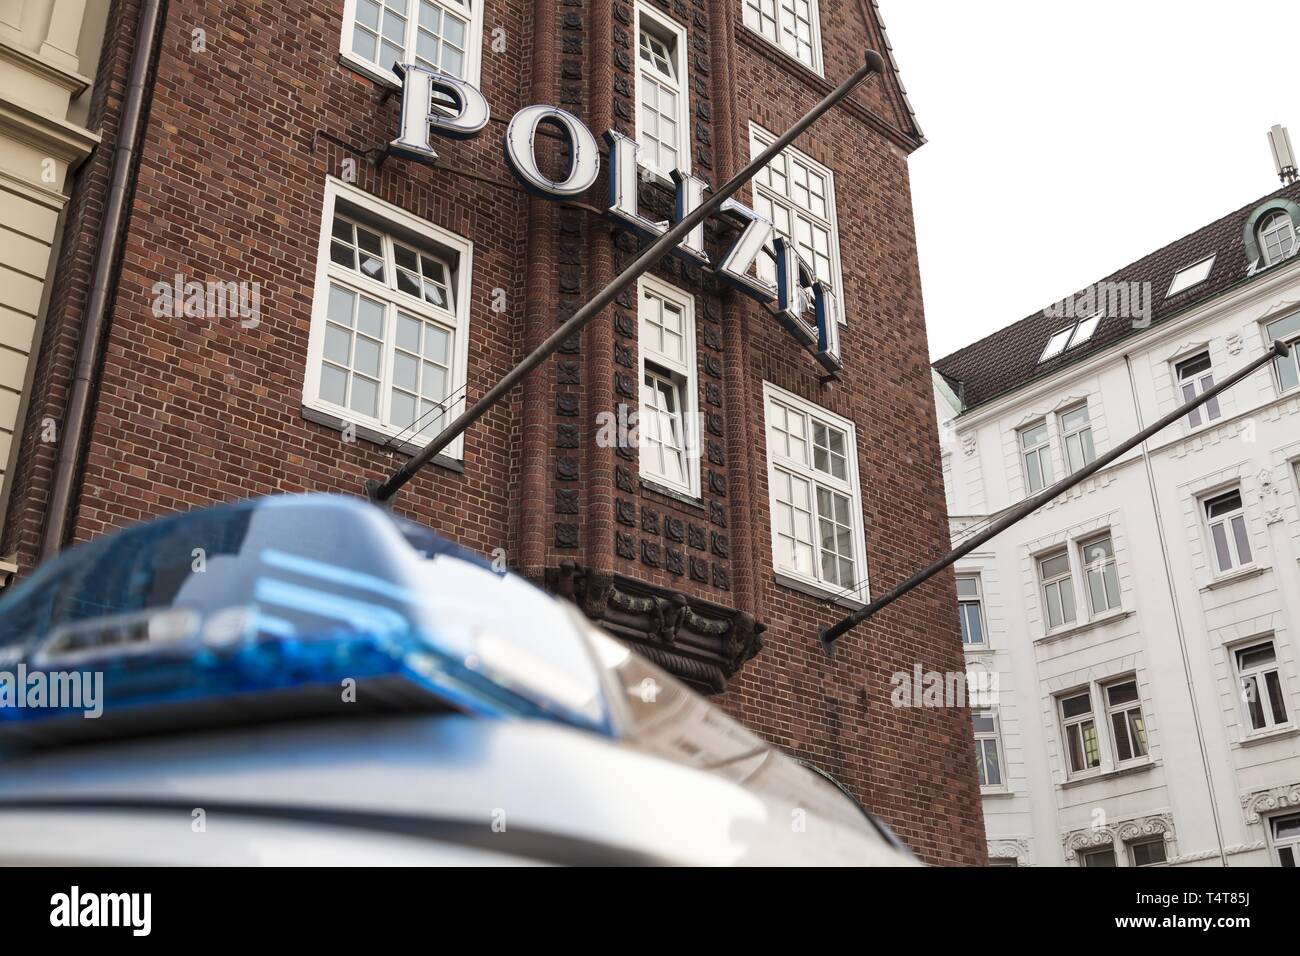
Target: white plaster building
[1145,626]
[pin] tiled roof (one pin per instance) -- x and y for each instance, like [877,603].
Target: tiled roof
[1009,358]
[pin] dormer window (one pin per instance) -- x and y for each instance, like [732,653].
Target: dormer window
[1068,338]
[1276,237]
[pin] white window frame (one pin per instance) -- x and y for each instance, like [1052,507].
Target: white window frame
[684,374]
[387,218]
[1104,566]
[1264,227]
[851,487]
[1042,453]
[982,739]
[781,9]
[1124,709]
[1131,846]
[1192,384]
[1290,843]
[664,25]
[1258,674]
[1097,851]
[1066,723]
[1078,433]
[978,602]
[1230,536]
[759,140]
[1064,583]
[473,9]
[1292,361]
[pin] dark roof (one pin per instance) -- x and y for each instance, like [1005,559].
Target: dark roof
[1008,359]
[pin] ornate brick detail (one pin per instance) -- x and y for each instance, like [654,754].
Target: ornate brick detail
[695,536]
[566,436]
[699,570]
[623,385]
[650,553]
[566,501]
[623,480]
[674,561]
[566,468]
[714,451]
[717,514]
[717,483]
[625,512]
[649,520]
[568,372]
[721,578]
[625,545]
[566,404]
[713,394]
[674,528]
[719,544]
[566,535]
[623,354]
[713,422]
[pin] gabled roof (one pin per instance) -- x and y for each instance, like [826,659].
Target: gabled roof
[888,53]
[1008,359]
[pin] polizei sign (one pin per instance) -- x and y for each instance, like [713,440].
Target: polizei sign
[461,112]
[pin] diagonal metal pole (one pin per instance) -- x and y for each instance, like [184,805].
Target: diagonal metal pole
[833,633]
[665,244]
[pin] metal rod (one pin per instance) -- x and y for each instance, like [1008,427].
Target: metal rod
[833,633]
[665,244]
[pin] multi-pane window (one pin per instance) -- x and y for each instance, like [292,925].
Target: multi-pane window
[1147,852]
[1076,437]
[1195,377]
[1101,575]
[1082,745]
[1277,237]
[663,113]
[817,532]
[798,195]
[1261,686]
[439,34]
[1285,831]
[1288,366]
[1036,453]
[1058,589]
[666,417]
[1105,856]
[1229,538]
[790,24]
[387,345]
[970,607]
[988,749]
[1127,728]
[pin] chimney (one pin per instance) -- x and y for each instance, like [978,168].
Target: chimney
[1279,140]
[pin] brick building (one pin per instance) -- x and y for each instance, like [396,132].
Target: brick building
[379,292]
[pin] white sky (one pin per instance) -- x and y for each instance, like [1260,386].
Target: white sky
[1066,140]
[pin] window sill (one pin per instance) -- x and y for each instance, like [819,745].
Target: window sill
[995,793]
[818,591]
[371,72]
[676,494]
[365,433]
[1124,771]
[1233,577]
[1264,736]
[1109,617]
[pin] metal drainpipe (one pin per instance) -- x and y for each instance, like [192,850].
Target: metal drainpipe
[110,237]
[1178,617]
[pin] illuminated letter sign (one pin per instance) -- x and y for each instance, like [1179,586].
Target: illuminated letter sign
[584,161]
[461,113]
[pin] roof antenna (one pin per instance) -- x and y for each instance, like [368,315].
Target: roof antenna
[1283,155]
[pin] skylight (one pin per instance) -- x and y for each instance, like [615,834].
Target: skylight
[1056,344]
[1068,338]
[1083,331]
[1191,276]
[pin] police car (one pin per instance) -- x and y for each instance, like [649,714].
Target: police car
[311,680]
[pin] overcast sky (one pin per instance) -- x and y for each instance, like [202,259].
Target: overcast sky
[1068,139]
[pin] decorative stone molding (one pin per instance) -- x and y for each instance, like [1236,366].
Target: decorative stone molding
[1270,496]
[1254,805]
[702,643]
[968,444]
[1234,343]
[1015,849]
[1117,834]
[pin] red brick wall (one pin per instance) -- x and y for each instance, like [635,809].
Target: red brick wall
[230,188]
